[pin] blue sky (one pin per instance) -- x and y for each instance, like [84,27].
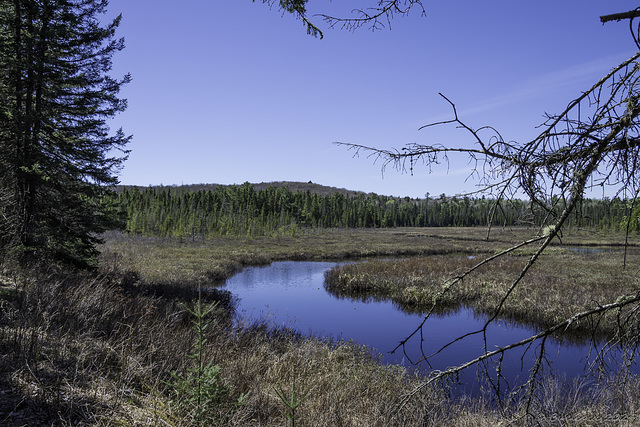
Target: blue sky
[228,91]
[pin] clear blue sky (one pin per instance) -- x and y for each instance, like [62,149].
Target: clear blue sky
[228,91]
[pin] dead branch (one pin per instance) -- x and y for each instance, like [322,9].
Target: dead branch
[595,139]
[377,17]
[437,375]
[620,16]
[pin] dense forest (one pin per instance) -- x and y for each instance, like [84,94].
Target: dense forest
[201,211]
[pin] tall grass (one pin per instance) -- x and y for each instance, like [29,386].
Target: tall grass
[561,283]
[80,349]
[84,350]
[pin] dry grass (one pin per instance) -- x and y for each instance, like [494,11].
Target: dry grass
[162,260]
[560,284]
[98,350]
[94,351]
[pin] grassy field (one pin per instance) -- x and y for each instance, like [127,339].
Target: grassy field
[100,350]
[217,258]
[563,282]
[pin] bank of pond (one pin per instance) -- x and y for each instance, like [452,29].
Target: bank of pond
[293,294]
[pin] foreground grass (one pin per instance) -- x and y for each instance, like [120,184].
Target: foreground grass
[99,350]
[89,351]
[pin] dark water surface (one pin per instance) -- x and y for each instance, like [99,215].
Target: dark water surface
[292,294]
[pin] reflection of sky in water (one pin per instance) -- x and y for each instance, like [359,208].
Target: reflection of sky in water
[291,293]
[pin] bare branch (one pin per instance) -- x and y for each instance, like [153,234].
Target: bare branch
[620,16]
[595,140]
[547,164]
[377,17]
[631,15]
[621,302]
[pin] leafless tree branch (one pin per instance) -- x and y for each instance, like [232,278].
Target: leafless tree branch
[620,16]
[377,17]
[622,301]
[594,141]
[631,15]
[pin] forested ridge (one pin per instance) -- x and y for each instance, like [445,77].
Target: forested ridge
[213,210]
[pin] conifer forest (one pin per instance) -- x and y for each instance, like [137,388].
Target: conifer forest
[208,211]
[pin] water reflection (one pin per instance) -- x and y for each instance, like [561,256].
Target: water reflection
[292,294]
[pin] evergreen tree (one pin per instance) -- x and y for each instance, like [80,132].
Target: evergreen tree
[58,155]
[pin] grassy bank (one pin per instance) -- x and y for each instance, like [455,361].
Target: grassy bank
[100,349]
[160,259]
[101,352]
[410,267]
[157,259]
[560,284]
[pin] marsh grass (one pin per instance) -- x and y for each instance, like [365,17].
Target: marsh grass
[82,349]
[177,260]
[86,350]
[560,284]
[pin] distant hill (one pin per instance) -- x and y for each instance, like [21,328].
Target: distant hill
[321,190]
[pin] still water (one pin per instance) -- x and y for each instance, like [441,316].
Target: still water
[292,294]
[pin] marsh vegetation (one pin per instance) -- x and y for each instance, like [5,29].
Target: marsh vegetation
[563,282]
[101,350]
[135,332]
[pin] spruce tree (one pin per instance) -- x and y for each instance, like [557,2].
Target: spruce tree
[58,162]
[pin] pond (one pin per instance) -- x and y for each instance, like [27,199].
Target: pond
[292,294]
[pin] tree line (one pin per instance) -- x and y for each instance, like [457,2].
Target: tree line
[243,210]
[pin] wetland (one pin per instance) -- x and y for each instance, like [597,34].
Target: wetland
[402,271]
[110,345]
[294,294]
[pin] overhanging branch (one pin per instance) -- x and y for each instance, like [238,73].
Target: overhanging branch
[620,16]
